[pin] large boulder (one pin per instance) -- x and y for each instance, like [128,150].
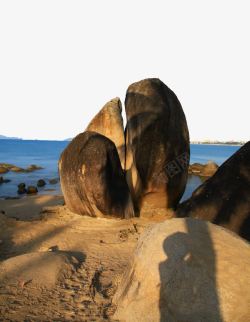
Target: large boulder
[186,270]
[92,180]
[157,145]
[109,123]
[224,199]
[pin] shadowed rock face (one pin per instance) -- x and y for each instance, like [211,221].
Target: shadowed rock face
[109,123]
[224,199]
[186,270]
[92,180]
[157,145]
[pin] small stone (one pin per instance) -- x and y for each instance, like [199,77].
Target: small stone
[53,181]
[21,188]
[41,183]
[32,190]
[21,185]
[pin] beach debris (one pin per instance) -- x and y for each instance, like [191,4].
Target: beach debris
[53,248]
[32,190]
[41,183]
[22,283]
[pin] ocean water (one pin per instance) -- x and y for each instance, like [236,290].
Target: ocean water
[46,154]
[23,153]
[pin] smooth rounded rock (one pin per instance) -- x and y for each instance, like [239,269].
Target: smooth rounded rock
[92,180]
[186,270]
[41,183]
[32,190]
[21,188]
[157,145]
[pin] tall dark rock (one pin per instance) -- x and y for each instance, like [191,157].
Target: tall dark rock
[224,199]
[157,145]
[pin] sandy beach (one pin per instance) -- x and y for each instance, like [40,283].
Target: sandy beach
[75,261]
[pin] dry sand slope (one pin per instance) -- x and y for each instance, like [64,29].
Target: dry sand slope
[59,266]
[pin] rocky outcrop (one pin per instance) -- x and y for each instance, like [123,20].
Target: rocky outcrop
[224,199]
[109,123]
[33,167]
[157,145]
[3,170]
[92,179]
[17,169]
[186,270]
[5,167]
[203,170]
[155,156]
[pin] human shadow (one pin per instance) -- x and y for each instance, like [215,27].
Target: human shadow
[188,290]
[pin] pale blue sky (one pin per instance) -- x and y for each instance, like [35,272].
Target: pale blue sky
[61,61]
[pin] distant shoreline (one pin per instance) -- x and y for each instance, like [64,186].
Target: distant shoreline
[220,143]
[236,143]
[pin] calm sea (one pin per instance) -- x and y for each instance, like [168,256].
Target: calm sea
[22,153]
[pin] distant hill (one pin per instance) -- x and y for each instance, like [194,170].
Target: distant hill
[3,137]
[69,139]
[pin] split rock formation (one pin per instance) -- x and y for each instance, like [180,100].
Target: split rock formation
[154,158]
